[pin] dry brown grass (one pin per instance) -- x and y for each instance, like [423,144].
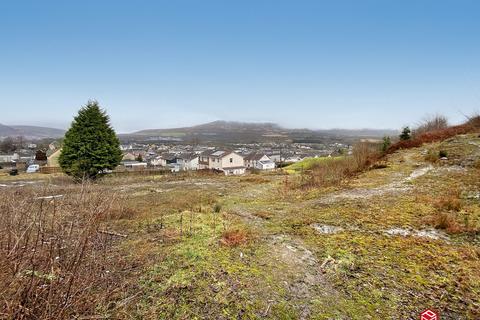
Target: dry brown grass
[447,209]
[332,172]
[447,221]
[234,237]
[55,261]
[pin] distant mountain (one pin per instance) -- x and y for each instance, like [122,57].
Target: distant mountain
[6,131]
[212,127]
[30,132]
[241,132]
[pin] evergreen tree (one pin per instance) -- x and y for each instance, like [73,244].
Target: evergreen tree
[90,145]
[386,143]
[405,135]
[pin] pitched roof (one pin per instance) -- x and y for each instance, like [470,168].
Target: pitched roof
[254,156]
[187,156]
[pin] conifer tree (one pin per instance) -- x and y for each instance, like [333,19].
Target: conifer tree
[386,143]
[405,135]
[90,145]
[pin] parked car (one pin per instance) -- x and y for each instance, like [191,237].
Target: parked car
[13,172]
[33,168]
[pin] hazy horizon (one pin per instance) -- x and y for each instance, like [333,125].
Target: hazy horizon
[308,64]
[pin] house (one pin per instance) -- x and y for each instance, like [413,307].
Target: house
[227,161]
[9,157]
[265,165]
[158,161]
[129,157]
[259,161]
[188,161]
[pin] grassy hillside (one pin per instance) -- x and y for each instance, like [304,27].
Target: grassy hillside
[306,164]
[394,241]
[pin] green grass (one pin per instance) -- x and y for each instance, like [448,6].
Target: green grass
[306,164]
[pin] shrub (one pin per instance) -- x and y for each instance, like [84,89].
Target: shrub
[434,123]
[472,125]
[386,144]
[431,156]
[405,135]
[442,154]
[217,208]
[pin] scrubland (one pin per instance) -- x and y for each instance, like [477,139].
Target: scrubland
[381,241]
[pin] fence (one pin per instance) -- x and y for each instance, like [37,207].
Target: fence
[49,170]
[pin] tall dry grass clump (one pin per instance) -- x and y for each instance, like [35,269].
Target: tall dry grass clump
[55,261]
[334,171]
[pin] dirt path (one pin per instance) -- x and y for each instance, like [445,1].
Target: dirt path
[398,185]
[306,280]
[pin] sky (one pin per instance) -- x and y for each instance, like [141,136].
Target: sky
[301,64]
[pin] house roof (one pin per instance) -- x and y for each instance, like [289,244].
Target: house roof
[219,153]
[187,156]
[266,161]
[168,156]
[254,156]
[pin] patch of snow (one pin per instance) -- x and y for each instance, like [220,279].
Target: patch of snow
[398,232]
[419,172]
[425,233]
[326,229]
[50,197]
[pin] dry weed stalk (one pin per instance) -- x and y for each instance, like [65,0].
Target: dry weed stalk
[53,260]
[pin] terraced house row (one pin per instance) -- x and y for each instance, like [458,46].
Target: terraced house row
[229,162]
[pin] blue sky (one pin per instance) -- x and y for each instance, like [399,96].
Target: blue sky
[315,64]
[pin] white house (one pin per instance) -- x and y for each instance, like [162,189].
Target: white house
[265,165]
[9,157]
[227,161]
[188,161]
[259,161]
[158,161]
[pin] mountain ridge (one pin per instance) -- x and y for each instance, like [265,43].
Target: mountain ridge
[238,125]
[31,132]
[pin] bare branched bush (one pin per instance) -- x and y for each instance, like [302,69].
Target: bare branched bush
[55,261]
[472,125]
[429,124]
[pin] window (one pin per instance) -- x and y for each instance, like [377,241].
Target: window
[231,160]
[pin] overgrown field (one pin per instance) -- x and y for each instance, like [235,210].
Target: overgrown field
[394,241]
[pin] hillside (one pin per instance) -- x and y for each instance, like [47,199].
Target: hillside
[394,240]
[30,132]
[227,131]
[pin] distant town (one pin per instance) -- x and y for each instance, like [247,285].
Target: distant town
[204,147]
